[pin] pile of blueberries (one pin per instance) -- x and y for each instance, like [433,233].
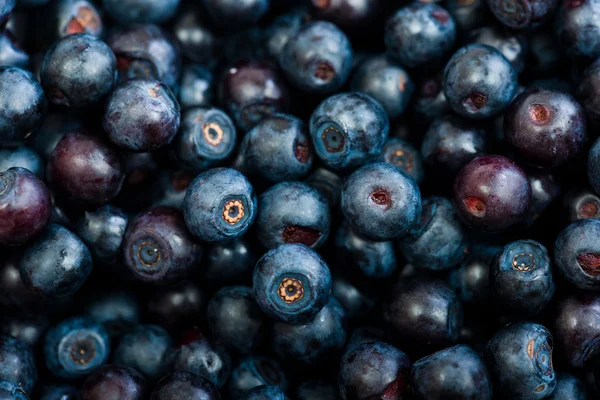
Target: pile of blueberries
[299,199]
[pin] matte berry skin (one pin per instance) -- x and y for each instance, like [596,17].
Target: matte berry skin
[235,320]
[103,231]
[317,58]
[10,52]
[523,15]
[348,130]
[547,128]
[438,241]
[519,358]
[233,13]
[131,12]
[347,14]
[59,392]
[424,311]
[521,278]
[292,212]
[78,71]
[456,372]
[313,341]
[22,157]
[576,325]
[402,154]
[374,370]
[114,382]
[577,29]
[206,138]
[250,91]
[75,347]
[18,364]
[22,105]
[512,46]
[184,384]
[157,247]
[385,81]
[491,193]
[197,87]
[143,350]
[56,263]
[291,283]
[141,115]
[569,387]
[278,149]
[8,391]
[577,254]
[85,170]
[230,262]
[593,166]
[419,33]
[381,202]
[25,206]
[479,82]
[219,206]
[265,393]
[278,33]
[146,52]
[252,372]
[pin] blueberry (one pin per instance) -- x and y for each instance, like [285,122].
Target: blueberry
[53,127]
[233,13]
[471,280]
[11,54]
[59,392]
[291,283]
[197,40]
[6,10]
[265,393]
[593,166]
[157,247]
[381,202]
[143,350]
[8,391]
[22,107]
[18,364]
[292,212]
[420,33]
[403,155]
[522,15]
[568,387]
[118,311]
[252,372]
[468,15]
[348,14]
[479,81]
[22,157]
[197,87]
[317,58]
[140,11]
[328,183]
[577,254]
[374,370]
[512,46]
[175,306]
[581,204]
[430,100]
[235,319]
[355,300]
[278,33]
[491,193]
[170,187]
[544,190]
[75,347]
[519,358]
[141,115]
[577,30]
[27,329]
[184,384]
[219,206]
[230,262]
[16,294]
[278,149]
[103,231]
[113,382]
[588,92]
[348,130]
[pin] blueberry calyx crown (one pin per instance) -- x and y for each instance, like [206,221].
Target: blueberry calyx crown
[233,211]
[82,352]
[401,159]
[333,139]
[212,133]
[523,262]
[148,254]
[291,290]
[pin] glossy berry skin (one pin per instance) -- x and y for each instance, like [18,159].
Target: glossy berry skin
[546,128]
[141,115]
[22,157]
[140,11]
[103,231]
[157,247]
[512,46]
[143,350]
[577,30]
[206,138]
[18,364]
[6,10]
[522,15]
[544,190]
[403,155]
[196,38]
[8,391]
[53,127]
[438,241]
[317,58]
[364,257]
[521,278]
[576,324]
[233,13]
[85,170]
[479,82]
[251,91]
[519,358]
[348,130]
[278,149]
[424,311]
[576,254]
[235,320]
[197,87]
[114,382]
[146,52]
[253,372]
[59,392]
[231,261]
[291,283]
[381,202]
[569,387]
[419,33]
[385,81]
[347,14]
[118,311]
[185,384]
[75,347]
[292,212]
[470,281]
[593,166]
[374,370]
[78,71]
[265,393]
[278,33]
[355,301]
[56,263]
[219,206]
[174,306]
[10,52]
[314,340]
[22,107]
[25,206]
[491,193]
[456,372]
